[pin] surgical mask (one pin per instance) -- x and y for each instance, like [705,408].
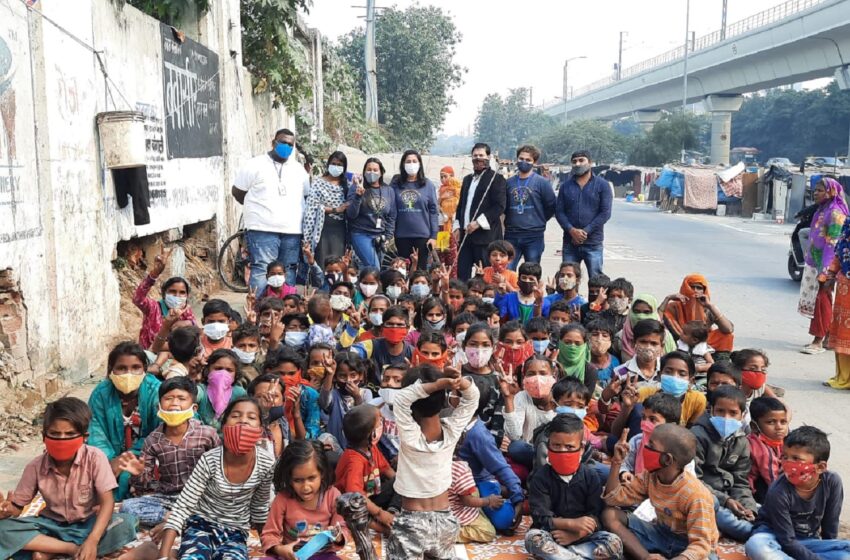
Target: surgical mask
[726,427]
[376,319]
[387,394]
[244,357]
[579,170]
[478,357]
[368,290]
[540,346]
[619,305]
[335,170]
[173,302]
[488,300]
[283,150]
[411,168]
[566,283]
[436,325]
[673,385]
[176,417]
[295,339]
[340,302]
[460,337]
[402,271]
[393,292]
[524,166]
[128,382]
[371,177]
[420,291]
[580,412]
[276,281]
[216,331]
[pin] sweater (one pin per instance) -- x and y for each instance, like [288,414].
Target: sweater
[365,210]
[486,460]
[530,203]
[417,210]
[724,464]
[289,521]
[549,497]
[526,417]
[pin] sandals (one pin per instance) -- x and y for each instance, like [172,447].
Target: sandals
[812,349]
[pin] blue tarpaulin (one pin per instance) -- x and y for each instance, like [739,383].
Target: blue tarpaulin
[672,181]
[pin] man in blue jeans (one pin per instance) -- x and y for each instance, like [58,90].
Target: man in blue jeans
[272,188]
[583,206]
[530,204]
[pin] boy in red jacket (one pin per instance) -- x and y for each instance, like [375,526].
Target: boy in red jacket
[769,426]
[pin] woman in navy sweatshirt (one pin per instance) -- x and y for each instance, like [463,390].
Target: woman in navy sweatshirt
[371,213]
[417,220]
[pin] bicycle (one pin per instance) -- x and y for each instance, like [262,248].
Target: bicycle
[234,261]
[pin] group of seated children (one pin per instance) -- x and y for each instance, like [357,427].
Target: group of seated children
[453,408]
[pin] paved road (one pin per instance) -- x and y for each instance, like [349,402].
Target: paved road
[745,263]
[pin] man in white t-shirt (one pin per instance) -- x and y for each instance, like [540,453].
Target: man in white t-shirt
[272,188]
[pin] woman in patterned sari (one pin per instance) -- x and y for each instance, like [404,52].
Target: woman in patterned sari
[815,293]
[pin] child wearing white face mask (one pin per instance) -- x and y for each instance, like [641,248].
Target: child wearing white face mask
[390,384]
[246,345]
[276,286]
[216,321]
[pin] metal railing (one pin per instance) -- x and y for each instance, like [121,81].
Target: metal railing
[755,21]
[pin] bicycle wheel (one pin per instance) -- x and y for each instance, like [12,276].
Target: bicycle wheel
[234,262]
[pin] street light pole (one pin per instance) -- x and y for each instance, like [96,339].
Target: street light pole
[565,93]
[371,66]
[620,58]
[685,69]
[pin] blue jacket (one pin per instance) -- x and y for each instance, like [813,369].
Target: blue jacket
[362,218]
[530,204]
[486,461]
[585,208]
[416,210]
[508,305]
[558,296]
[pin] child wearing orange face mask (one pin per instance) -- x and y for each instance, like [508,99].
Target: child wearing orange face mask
[431,349]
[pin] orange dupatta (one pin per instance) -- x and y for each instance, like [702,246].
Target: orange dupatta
[677,313]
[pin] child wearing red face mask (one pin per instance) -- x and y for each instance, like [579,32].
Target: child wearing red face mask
[566,500]
[753,364]
[76,483]
[431,349]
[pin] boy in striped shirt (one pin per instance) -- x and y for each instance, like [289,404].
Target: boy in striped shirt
[686,525]
[466,506]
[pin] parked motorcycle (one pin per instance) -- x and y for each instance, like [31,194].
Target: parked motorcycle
[800,242]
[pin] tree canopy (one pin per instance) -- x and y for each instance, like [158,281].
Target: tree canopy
[508,123]
[665,141]
[604,143]
[415,50]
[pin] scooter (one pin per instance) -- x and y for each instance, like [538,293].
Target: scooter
[800,242]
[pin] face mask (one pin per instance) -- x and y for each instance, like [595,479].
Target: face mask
[377,433]
[437,325]
[295,339]
[488,299]
[371,177]
[420,291]
[63,449]
[643,316]
[128,382]
[775,444]
[411,168]
[524,166]
[340,302]
[540,346]
[333,278]
[402,271]
[460,337]
[276,281]
[387,394]
[600,346]
[579,170]
[175,417]
[645,354]
[283,150]
[219,389]
[566,283]
[725,426]
[368,290]
[673,385]
[651,459]
[525,287]
[276,413]
[478,357]
[480,164]
[216,331]
[393,292]
[538,386]
[335,170]
[646,428]
[570,353]
[174,302]
[753,379]
[619,306]
[240,439]
[244,357]
[580,412]
[565,463]
[798,472]
[439,362]
[376,319]
[394,335]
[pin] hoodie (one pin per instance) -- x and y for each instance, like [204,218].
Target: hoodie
[724,465]
[765,467]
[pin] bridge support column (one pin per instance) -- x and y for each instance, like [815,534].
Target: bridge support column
[647,119]
[721,108]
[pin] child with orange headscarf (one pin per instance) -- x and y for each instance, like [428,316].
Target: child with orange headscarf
[693,303]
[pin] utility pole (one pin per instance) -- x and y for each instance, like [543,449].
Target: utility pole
[723,22]
[620,58]
[371,66]
[531,97]
[565,94]
[685,69]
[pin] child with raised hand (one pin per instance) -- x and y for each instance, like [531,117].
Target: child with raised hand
[514,347]
[597,299]
[566,284]
[277,434]
[694,342]
[753,364]
[227,493]
[375,308]
[246,345]
[219,386]
[723,462]
[391,379]
[425,524]
[684,507]
[184,345]
[300,398]
[565,497]
[500,253]
[305,503]
[216,321]
[276,286]
[391,347]
[768,428]
[678,378]
[527,301]
[529,408]
[76,483]
[658,409]
[800,515]
[175,293]
[363,468]
[343,391]
[478,346]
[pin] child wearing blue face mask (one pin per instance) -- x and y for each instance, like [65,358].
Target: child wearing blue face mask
[539,334]
[678,379]
[723,462]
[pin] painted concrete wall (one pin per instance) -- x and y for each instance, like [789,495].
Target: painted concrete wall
[59,220]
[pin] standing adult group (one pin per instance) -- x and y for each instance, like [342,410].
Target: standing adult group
[287,214]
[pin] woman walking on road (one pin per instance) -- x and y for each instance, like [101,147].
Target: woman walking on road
[371,214]
[416,202]
[324,219]
[815,293]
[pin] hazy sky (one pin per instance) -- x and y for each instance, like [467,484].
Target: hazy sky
[509,44]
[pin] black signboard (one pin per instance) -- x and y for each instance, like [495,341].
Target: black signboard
[190,89]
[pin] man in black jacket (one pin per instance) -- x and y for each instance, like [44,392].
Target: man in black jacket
[478,220]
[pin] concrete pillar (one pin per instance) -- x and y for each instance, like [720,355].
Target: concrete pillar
[721,108]
[647,118]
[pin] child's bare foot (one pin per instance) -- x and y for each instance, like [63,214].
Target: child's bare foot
[145,551]
[42,556]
